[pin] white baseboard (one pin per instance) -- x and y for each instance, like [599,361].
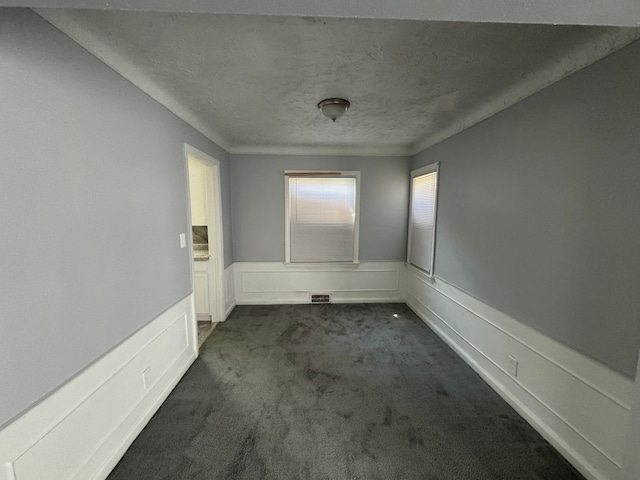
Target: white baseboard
[275,283]
[229,291]
[579,405]
[82,430]
[229,310]
[631,458]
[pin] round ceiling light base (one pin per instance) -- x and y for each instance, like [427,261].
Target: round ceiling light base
[334,108]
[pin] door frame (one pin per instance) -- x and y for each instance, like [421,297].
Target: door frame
[214,227]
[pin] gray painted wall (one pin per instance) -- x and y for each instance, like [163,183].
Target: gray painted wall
[538,210]
[92,200]
[258,204]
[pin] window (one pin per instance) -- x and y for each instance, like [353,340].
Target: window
[422,218]
[322,211]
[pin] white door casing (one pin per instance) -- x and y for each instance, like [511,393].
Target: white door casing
[213,199]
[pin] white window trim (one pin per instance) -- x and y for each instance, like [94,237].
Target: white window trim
[287,220]
[434,167]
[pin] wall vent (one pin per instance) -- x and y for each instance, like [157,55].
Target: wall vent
[320,298]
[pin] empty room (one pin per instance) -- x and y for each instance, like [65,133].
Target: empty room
[314,240]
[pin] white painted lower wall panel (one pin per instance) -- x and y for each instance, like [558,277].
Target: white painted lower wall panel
[579,405]
[229,291]
[273,282]
[631,458]
[82,430]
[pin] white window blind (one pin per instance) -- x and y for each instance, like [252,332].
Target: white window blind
[322,219]
[422,224]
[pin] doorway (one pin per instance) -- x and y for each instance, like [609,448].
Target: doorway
[207,254]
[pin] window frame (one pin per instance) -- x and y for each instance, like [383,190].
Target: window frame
[419,172]
[287,212]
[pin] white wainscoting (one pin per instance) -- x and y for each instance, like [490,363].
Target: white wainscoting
[631,458]
[579,405]
[229,291]
[273,283]
[82,430]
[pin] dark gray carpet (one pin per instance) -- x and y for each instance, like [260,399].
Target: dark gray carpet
[335,392]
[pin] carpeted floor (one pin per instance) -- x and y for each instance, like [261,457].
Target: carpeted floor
[335,392]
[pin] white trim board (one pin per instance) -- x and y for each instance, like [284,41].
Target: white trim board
[213,200]
[268,283]
[229,291]
[580,406]
[82,430]
[631,459]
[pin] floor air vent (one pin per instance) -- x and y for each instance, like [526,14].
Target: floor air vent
[320,298]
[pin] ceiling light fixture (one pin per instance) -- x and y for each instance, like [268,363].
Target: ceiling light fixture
[334,108]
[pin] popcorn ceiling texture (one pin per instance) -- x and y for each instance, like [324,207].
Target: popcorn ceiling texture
[568,12]
[251,83]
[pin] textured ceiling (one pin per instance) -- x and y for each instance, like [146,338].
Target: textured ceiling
[619,13]
[251,83]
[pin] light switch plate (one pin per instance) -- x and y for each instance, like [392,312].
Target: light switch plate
[183,240]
